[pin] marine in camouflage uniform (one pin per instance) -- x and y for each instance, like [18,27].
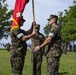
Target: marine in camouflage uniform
[19,47]
[53,43]
[37,57]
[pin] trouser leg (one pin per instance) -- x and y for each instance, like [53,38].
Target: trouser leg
[53,65]
[17,64]
[33,59]
[39,63]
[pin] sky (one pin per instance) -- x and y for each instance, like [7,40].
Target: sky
[43,9]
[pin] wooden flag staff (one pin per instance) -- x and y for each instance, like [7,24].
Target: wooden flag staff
[33,12]
[33,17]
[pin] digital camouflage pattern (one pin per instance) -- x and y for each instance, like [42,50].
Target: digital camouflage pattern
[17,51]
[53,65]
[53,51]
[37,57]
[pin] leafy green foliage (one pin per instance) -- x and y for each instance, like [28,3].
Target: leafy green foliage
[46,29]
[69,28]
[5,21]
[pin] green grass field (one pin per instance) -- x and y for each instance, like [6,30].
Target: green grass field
[67,64]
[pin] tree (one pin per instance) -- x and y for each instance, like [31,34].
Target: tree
[5,21]
[69,29]
[46,29]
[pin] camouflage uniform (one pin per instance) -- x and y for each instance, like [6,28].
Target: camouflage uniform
[18,51]
[37,57]
[53,51]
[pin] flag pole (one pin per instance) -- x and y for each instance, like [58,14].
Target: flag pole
[33,17]
[33,12]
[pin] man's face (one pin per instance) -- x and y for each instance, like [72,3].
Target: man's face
[36,29]
[52,21]
[22,22]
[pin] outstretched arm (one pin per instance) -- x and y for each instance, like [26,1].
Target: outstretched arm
[48,40]
[27,37]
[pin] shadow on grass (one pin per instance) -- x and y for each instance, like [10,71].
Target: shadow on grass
[64,73]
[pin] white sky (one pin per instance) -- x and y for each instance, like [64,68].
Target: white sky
[43,9]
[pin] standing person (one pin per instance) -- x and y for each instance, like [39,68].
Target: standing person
[53,41]
[19,47]
[37,39]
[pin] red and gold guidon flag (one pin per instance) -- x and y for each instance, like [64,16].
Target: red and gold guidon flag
[18,10]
